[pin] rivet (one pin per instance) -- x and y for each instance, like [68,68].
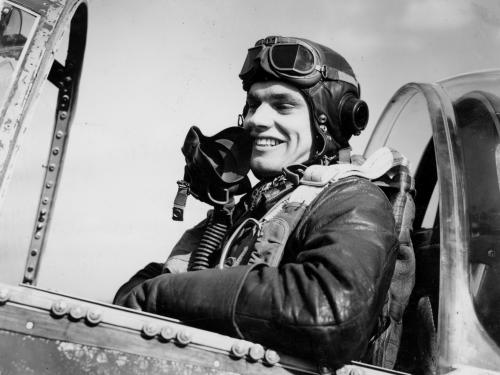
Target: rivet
[34,252]
[43,212]
[322,118]
[256,352]
[94,317]
[239,349]
[68,79]
[63,115]
[49,184]
[323,128]
[167,333]
[38,236]
[59,308]
[45,200]
[29,269]
[271,357]
[39,226]
[4,295]
[355,371]
[59,134]
[55,151]
[76,312]
[492,253]
[150,330]
[29,325]
[65,97]
[183,337]
[52,167]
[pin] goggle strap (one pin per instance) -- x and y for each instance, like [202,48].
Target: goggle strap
[337,75]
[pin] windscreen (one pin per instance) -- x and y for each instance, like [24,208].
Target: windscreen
[477,111]
[16,29]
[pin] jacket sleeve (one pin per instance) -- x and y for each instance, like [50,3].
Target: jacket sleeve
[323,305]
[178,259]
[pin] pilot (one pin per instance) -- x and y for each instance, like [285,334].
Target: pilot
[320,293]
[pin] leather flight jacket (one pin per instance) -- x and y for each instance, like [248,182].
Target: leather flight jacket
[323,299]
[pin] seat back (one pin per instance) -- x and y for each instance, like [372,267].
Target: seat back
[384,346]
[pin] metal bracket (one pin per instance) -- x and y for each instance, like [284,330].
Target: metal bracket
[66,78]
[53,167]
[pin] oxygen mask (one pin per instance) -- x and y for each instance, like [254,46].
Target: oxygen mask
[216,168]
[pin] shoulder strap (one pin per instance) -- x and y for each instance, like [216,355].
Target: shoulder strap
[317,177]
[378,164]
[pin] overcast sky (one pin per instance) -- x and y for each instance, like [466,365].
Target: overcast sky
[154,68]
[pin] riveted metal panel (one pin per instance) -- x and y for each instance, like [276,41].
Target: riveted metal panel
[22,354]
[30,311]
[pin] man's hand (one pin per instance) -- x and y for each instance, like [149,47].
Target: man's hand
[151,295]
[132,294]
[134,299]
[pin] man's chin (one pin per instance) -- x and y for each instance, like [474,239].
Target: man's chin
[263,173]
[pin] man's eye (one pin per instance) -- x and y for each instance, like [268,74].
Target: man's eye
[284,106]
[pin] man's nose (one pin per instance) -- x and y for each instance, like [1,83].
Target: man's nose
[259,119]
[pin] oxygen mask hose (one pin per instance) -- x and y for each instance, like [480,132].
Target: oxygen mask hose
[216,171]
[205,255]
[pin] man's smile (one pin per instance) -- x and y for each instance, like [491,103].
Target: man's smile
[266,142]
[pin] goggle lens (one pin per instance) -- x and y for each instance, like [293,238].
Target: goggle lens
[249,63]
[292,58]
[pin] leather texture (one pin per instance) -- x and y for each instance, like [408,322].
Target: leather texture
[321,302]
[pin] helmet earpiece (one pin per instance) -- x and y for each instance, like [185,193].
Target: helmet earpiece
[353,113]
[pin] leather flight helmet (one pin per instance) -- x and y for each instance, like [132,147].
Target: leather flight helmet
[326,80]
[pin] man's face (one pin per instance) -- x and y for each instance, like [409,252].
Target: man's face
[279,123]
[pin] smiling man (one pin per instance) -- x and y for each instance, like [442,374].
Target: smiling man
[279,122]
[305,274]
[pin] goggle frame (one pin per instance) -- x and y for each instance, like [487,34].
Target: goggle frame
[305,78]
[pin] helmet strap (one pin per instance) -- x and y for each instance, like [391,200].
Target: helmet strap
[241,119]
[345,155]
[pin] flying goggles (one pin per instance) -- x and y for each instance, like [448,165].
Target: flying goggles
[292,60]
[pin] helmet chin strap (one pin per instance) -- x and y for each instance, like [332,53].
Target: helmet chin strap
[329,155]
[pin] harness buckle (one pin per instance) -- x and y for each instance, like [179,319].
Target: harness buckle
[323,71]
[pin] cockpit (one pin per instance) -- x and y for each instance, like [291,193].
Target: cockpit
[450,132]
